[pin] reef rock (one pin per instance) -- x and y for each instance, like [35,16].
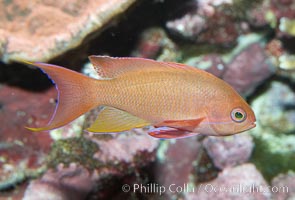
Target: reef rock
[182,162]
[212,63]
[22,153]
[248,69]
[177,157]
[92,162]
[65,183]
[275,108]
[239,183]
[41,30]
[283,186]
[209,23]
[229,151]
[155,44]
[278,14]
[274,137]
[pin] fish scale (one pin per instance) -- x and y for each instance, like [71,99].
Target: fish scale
[177,99]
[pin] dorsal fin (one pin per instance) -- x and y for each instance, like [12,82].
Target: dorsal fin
[109,67]
[114,120]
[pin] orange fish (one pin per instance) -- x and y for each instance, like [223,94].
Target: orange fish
[178,100]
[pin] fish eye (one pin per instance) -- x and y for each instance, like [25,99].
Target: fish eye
[238,115]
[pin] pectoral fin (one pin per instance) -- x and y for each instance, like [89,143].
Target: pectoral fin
[188,125]
[170,133]
[115,120]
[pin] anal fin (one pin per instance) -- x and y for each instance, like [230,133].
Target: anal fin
[188,125]
[170,133]
[115,120]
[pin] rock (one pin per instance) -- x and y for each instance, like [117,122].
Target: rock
[42,30]
[135,147]
[283,186]
[239,183]
[176,161]
[16,194]
[274,137]
[210,24]
[281,59]
[287,26]
[278,14]
[274,108]
[23,153]
[229,151]
[245,67]
[189,26]
[212,63]
[182,162]
[72,183]
[248,69]
[155,44]
[105,157]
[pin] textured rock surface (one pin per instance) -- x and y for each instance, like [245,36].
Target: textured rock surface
[274,137]
[179,157]
[281,58]
[250,68]
[283,186]
[41,30]
[183,162]
[235,40]
[125,147]
[22,153]
[229,151]
[65,183]
[155,44]
[209,23]
[92,163]
[234,184]
[212,63]
[245,67]
[274,108]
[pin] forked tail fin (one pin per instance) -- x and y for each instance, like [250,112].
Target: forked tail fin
[76,95]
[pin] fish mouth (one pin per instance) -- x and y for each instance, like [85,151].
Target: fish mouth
[252,125]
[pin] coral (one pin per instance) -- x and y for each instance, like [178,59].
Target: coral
[41,30]
[242,182]
[274,134]
[229,151]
